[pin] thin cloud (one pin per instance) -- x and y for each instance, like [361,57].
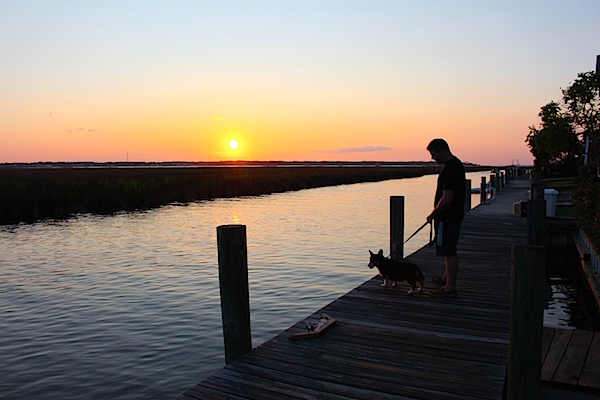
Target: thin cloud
[216,118]
[82,130]
[362,149]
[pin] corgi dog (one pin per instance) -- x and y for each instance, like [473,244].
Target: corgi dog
[397,271]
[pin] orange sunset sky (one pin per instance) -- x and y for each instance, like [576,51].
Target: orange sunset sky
[292,81]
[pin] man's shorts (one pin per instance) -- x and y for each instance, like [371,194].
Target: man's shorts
[446,237]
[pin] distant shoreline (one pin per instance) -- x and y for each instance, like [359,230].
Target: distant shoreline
[38,191]
[190,164]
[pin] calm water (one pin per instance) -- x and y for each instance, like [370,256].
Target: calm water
[127,306]
[566,306]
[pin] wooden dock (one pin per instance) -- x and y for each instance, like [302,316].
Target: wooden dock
[387,344]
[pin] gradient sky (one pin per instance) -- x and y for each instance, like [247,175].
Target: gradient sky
[305,80]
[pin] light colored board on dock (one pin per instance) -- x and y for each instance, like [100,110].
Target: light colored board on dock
[312,331]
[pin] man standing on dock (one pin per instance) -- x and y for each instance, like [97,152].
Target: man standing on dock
[447,214]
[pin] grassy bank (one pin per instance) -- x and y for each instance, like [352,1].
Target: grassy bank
[30,194]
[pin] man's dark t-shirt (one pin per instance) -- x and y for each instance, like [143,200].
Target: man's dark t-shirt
[452,177]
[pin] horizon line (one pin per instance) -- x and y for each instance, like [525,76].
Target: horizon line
[225,162]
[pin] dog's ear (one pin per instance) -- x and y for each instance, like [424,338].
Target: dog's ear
[370,252]
[380,251]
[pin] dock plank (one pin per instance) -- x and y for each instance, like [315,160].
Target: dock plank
[546,341]
[557,349]
[590,376]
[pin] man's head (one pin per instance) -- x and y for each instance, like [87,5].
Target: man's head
[439,150]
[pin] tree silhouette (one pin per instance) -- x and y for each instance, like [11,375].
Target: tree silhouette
[555,145]
[559,144]
[582,101]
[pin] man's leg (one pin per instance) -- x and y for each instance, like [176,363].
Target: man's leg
[451,272]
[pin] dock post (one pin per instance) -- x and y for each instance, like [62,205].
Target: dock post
[537,190]
[526,322]
[396,227]
[536,215]
[235,297]
[467,195]
[483,195]
[536,222]
[498,182]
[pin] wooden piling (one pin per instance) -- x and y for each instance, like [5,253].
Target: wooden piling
[536,222]
[537,190]
[526,322]
[467,195]
[397,227]
[235,298]
[483,195]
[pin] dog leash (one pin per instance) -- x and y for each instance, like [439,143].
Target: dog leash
[418,230]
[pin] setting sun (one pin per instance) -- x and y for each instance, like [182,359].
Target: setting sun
[234,144]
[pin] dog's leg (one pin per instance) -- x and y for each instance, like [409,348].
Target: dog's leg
[384,284]
[412,286]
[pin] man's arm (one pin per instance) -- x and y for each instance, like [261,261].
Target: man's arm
[447,196]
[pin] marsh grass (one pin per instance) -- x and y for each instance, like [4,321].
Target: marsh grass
[30,194]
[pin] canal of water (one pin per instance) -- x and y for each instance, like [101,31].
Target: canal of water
[567,306]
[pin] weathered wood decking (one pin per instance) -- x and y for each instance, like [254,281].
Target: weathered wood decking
[390,345]
[571,358]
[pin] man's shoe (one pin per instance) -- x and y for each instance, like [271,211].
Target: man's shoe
[438,281]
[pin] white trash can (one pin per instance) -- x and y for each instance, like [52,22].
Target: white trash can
[550,195]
